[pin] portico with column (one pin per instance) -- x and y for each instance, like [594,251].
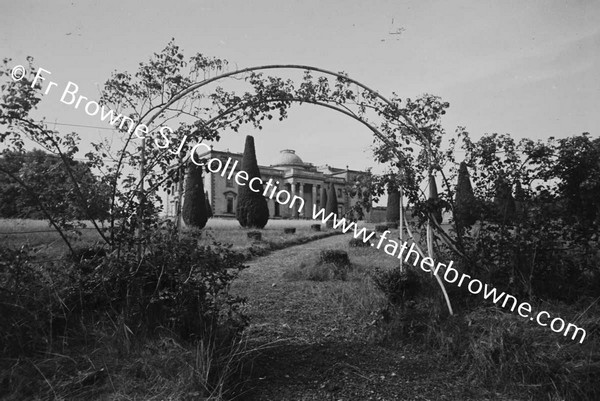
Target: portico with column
[288,173]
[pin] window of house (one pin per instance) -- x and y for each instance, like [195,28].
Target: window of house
[339,193]
[229,182]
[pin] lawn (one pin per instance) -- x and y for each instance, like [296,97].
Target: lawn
[43,238]
[47,243]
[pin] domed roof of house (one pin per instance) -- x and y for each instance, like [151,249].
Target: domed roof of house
[288,157]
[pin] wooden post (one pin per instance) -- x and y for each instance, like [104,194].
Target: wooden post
[141,200]
[401,224]
[180,186]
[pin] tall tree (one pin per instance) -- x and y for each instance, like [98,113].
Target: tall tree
[332,202]
[194,203]
[392,213]
[465,205]
[323,197]
[252,209]
[46,175]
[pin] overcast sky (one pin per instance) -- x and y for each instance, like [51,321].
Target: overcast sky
[528,68]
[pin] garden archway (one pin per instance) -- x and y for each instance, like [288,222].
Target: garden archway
[274,93]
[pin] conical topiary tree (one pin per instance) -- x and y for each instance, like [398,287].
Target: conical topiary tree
[194,203]
[252,209]
[209,210]
[465,204]
[392,213]
[323,198]
[504,201]
[332,203]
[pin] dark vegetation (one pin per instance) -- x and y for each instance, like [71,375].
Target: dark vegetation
[195,209]
[392,214]
[252,210]
[102,312]
[528,226]
[332,203]
[47,181]
[332,264]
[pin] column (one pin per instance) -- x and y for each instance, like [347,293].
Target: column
[313,200]
[294,210]
[285,211]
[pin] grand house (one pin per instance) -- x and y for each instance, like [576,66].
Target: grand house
[293,174]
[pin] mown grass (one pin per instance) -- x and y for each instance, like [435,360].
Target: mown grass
[40,236]
[228,231]
[46,242]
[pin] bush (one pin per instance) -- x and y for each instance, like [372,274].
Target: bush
[338,260]
[178,290]
[357,242]
[178,286]
[289,230]
[315,227]
[381,228]
[27,304]
[335,256]
[399,286]
[316,272]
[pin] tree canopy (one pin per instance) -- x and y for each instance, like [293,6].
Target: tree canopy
[47,181]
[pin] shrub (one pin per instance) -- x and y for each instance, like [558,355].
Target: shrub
[399,286]
[289,230]
[27,304]
[252,209]
[194,204]
[381,228]
[338,260]
[316,272]
[315,227]
[357,242]
[335,256]
[177,286]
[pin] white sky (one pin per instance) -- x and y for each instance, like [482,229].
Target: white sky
[529,68]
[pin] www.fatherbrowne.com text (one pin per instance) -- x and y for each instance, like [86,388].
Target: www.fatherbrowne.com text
[393,248]
[451,275]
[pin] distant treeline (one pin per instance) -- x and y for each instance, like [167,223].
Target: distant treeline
[30,181]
